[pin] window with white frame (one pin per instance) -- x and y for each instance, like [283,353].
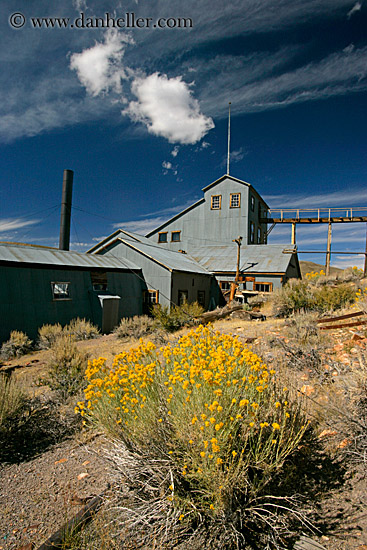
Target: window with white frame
[60,291]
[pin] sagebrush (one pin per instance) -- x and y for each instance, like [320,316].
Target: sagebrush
[177,316]
[134,327]
[203,428]
[18,344]
[12,400]
[78,329]
[66,367]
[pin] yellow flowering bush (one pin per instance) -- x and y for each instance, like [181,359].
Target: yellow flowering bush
[361,299]
[207,410]
[315,275]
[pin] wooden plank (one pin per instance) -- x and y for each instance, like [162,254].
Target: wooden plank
[305,543]
[347,316]
[344,325]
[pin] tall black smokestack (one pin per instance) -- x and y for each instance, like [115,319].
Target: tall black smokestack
[67,191]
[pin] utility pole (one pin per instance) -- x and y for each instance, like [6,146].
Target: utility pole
[234,285]
[365,257]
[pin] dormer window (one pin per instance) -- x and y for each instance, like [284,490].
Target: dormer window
[216,202]
[235,200]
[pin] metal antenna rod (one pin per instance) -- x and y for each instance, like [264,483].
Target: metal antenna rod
[229,136]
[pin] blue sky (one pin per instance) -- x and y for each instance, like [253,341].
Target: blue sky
[140,114]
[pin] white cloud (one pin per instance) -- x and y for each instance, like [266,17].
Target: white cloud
[167,166]
[168,109]
[9,224]
[351,197]
[99,68]
[357,7]
[175,151]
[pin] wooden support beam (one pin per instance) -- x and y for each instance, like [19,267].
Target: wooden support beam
[328,251]
[293,240]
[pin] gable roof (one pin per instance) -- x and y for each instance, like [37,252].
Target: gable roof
[226,176]
[53,257]
[169,259]
[268,258]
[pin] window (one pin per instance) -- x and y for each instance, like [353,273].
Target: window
[235,200]
[60,291]
[216,202]
[259,235]
[150,297]
[162,237]
[225,285]
[252,233]
[176,236]
[201,298]
[183,296]
[263,287]
[99,280]
[252,203]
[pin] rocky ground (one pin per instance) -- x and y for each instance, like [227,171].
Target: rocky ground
[41,489]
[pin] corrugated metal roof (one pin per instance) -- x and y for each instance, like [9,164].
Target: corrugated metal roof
[64,258]
[175,261]
[266,258]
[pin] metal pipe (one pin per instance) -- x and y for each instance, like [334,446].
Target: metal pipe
[67,192]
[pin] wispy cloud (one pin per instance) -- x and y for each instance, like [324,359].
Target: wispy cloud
[357,7]
[234,157]
[13,224]
[344,198]
[337,74]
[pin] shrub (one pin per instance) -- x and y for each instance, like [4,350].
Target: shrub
[18,344]
[361,299]
[48,334]
[298,296]
[204,428]
[292,297]
[81,329]
[330,298]
[12,400]
[177,316]
[66,367]
[134,327]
